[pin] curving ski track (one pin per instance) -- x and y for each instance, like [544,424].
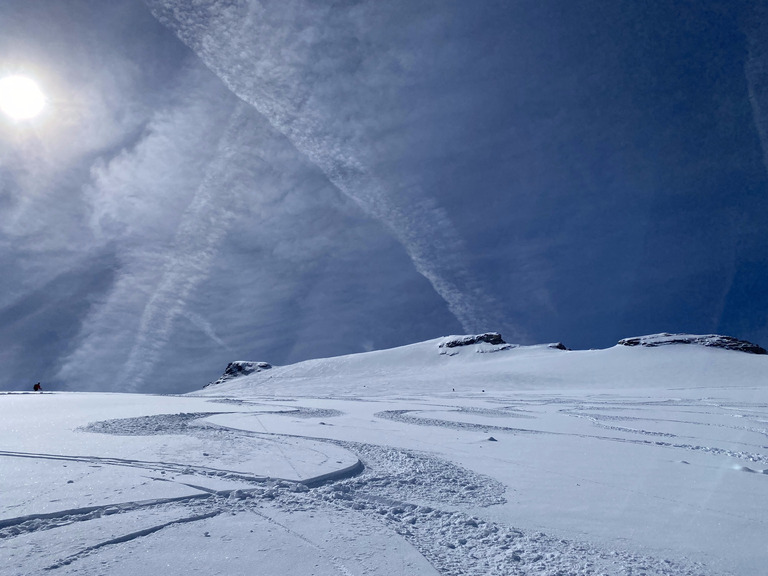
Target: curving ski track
[417,496]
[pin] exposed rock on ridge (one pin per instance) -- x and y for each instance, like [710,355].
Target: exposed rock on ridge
[712,340]
[240,368]
[483,343]
[558,346]
[488,337]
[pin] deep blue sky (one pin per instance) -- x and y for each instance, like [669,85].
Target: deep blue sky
[286,179]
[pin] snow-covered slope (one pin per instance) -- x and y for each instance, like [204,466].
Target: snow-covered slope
[433,367]
[481,458]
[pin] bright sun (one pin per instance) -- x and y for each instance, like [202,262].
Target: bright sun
[20,98]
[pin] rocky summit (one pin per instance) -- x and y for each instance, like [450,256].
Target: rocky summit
[711,340]
[240,368]
[488,338]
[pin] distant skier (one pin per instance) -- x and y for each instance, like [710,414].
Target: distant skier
[37,387]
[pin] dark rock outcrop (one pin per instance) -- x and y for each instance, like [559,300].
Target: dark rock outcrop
[489,338]
[240,368]
[712,340]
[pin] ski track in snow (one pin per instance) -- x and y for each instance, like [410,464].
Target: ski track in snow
[130,536]
[410,417]
[155,466]
[418,496]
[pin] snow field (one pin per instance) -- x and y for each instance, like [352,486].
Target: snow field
[463,469]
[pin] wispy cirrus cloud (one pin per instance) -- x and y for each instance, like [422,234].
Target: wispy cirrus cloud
[148,203]
[756,71]
[188,259]
[572,171]
[278,58]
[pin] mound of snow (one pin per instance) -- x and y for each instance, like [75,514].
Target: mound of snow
[240,368]
[712,340]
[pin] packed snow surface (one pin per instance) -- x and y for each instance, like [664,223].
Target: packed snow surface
[487,460]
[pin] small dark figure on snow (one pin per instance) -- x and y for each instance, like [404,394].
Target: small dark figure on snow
[38,388]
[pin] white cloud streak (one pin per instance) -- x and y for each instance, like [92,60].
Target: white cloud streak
[188,261]
[273,61]
[756,72]
[144,202]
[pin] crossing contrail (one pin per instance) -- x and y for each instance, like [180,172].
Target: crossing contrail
[187,263]
[238,46]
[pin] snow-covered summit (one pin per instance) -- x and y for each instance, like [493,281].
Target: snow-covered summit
[712,340]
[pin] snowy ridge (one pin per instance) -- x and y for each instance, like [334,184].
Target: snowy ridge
[451,363]
[531,460]
[712,340]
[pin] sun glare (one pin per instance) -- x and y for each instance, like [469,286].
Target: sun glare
[20,98]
